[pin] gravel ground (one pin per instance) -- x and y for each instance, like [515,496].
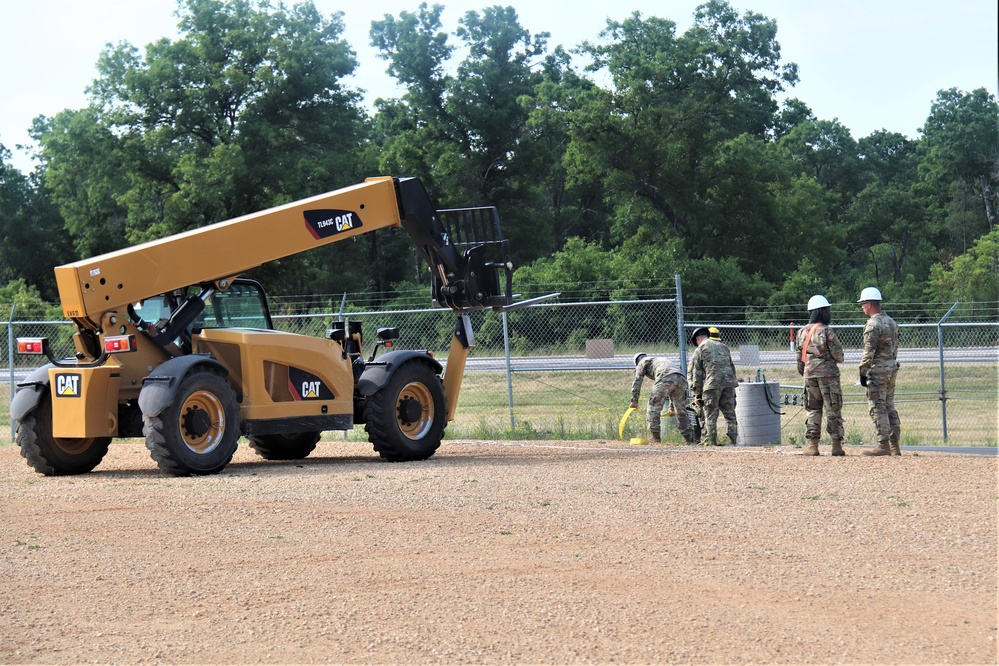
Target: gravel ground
[504,552]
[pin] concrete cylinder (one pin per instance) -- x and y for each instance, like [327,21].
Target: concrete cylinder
[759,422]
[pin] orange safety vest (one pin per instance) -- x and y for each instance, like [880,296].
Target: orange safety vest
[809,330]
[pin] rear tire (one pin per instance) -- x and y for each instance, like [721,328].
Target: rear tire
[56,456]
[406,419]
[198,433]
[292,446]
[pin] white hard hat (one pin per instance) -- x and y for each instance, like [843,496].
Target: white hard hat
[638,357]
[817,301]
[870,294]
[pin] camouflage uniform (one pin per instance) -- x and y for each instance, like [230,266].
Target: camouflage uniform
[879,364]
[669,385]
[822,387]
[711,375]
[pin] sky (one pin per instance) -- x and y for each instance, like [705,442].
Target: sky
[871,64]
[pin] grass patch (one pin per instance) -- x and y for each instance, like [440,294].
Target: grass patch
[588,405]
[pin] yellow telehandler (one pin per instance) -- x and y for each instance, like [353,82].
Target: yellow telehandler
[173,346]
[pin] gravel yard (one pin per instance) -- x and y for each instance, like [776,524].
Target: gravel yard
[504,552]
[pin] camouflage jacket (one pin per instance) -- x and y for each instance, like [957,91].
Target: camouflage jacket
[655,369]
[824,352]
[711,367]
[880,345]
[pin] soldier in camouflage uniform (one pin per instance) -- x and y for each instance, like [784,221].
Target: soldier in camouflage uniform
[712,380]
[669,385]
[818,351]
[878,369]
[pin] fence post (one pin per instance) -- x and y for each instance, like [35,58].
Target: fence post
[10,360]
[509,372]
[681,338]
[943,388]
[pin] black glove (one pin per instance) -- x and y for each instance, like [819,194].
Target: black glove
[863,379]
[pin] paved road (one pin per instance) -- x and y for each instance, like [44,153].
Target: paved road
[766,358]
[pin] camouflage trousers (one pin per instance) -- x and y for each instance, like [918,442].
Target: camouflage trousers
[711,402]
[823,392]
[672,388]
[881,398]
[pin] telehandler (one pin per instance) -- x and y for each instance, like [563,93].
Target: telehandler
[173,346]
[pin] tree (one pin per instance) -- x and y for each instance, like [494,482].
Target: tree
[825,151]
[972,276]
[463,133]
[243,111]
[31,236]
[961,142]
[674,100]
[889,157]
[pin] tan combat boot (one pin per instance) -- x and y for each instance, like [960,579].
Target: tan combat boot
[812,449]
[837,448]
[654,437]
[893,445]
[882,450]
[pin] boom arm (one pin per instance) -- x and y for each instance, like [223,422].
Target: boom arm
[216,253]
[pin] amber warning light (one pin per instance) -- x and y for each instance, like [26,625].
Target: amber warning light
[119,344]
[31,345]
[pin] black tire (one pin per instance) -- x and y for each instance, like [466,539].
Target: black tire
[199,432]
[56,456]
[695,425]
[406,419]
[292,446]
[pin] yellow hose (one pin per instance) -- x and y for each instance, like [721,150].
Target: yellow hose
[624,420]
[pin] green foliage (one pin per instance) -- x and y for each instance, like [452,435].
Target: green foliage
[26,303]
[31,236]
[972,276]
[668,153]
[243,111]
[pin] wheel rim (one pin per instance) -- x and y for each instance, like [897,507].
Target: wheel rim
[202,421]
[74,446]
[418,393]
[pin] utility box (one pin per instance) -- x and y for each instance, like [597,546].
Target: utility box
[600,348]
[749,355]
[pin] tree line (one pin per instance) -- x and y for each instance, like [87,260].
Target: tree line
[641,154]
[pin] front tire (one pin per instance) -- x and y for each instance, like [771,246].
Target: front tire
[406,419]
[292,446]
[56,456]
[198,433]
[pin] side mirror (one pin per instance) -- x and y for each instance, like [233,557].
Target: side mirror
[388,333]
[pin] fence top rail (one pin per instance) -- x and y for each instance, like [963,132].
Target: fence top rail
[784,327]
[368,313]
[37,321]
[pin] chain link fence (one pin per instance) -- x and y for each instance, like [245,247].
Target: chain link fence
[563,370]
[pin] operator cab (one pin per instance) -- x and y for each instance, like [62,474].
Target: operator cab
[243,305]
[170,320]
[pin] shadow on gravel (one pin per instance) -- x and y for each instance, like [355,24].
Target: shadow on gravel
[451,454]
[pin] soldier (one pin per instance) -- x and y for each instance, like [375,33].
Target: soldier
[711,375]
[669,384]
[878,369]
[819,350]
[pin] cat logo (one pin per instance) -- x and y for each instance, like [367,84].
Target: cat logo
[306,386]
[323,223]
[68,385]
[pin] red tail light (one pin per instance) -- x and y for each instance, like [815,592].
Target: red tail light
[119,344]
[31,345]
